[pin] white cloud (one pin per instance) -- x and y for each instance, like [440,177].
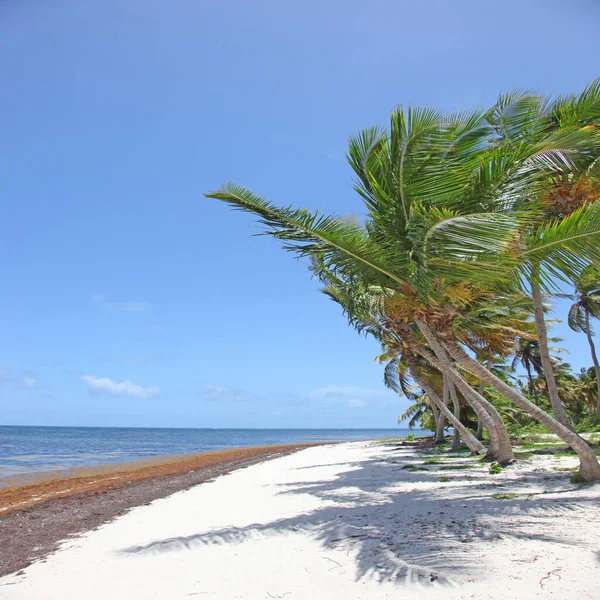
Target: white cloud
[133,307]
[29,382]
[356,403]
[222,394]
[120,388]
[17,378]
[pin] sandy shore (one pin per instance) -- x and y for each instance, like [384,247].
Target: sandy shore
[41,510]
[347,522]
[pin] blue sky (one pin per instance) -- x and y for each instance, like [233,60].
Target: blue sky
[128,299]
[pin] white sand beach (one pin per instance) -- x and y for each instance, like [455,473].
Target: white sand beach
[343,522]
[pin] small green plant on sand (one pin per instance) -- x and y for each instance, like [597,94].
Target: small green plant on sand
[410,437]
[577,478]
[413,468]
[495,468]
[439,449]
[432,461]
[508,496]
[444,479]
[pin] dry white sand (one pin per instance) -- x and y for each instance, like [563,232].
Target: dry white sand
[342,522]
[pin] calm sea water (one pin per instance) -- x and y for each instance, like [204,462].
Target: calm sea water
[25,450]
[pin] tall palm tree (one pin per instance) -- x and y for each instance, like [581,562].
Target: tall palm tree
[586,305]
[571,184]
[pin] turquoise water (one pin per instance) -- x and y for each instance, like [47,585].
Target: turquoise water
[25,450]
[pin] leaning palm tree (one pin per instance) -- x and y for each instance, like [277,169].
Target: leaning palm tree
[587,305]
[444,201]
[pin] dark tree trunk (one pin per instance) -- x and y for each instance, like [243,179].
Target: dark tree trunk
[588,332]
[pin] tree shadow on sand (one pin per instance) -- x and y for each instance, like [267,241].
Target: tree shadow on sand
[427,530]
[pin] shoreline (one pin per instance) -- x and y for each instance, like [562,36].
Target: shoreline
[37,515]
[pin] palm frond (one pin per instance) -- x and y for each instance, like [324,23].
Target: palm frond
[340,244]
[564,249]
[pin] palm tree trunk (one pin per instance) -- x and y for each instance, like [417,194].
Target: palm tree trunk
[456,443]
[500,447]
[532,388]
[440,436]
[540,326]
[589,469]
[474,445]
[494,447]
[588,332]
[481,392]
[479,430]
[436,416]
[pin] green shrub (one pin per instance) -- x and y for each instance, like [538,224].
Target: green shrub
[509,496]
[588,425]
[410,437]
[432,461]
[444,479]
[439,449]
[495,468]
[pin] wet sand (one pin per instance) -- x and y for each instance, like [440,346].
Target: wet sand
[36,515]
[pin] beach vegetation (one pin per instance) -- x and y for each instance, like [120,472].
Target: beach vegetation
[495,468]
[474,222]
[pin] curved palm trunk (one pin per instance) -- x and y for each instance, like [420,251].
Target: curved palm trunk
[589,468]
[500,448]
[542,334]
[440,436]
[481,392]
[482,414]
[500,444]
[474,445]
[588,332]
[456,442]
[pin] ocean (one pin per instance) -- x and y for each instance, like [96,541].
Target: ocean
[27,450]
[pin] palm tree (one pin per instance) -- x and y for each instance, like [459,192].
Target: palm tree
[587,305]
[527,354]
[569,187]
[363,309]
[445,215]
[419,412]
